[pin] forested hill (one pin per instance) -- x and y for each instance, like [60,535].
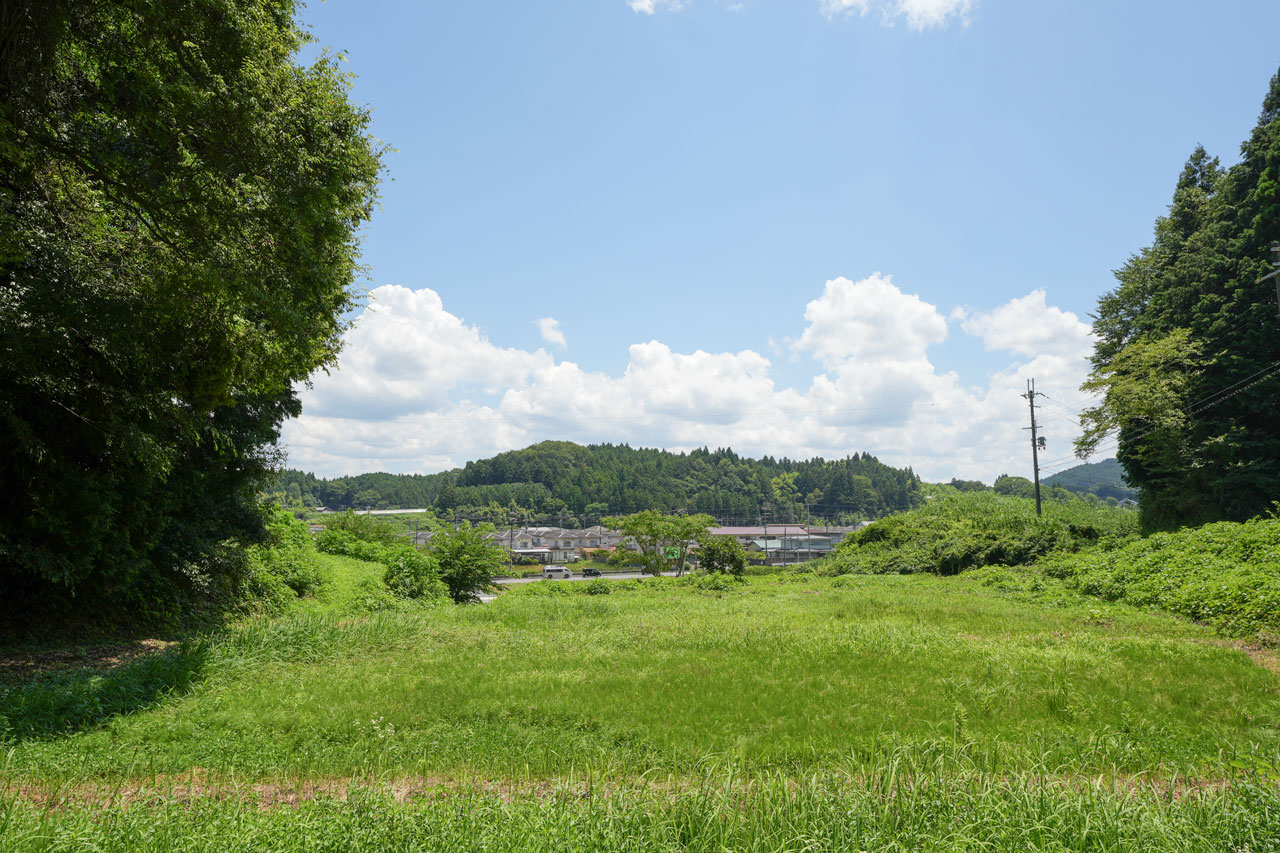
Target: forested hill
[559,479]
[1104,479]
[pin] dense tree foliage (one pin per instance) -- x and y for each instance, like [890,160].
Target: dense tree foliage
[178,205]
[1188,350]
[562,482]
[665,541]
[722,554]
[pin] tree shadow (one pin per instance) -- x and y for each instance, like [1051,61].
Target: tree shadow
[54,701]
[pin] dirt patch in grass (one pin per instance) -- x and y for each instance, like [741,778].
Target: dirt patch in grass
[22,665]
[1267,658]
[272,794]
[198,785]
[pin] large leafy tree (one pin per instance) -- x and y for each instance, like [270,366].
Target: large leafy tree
[658,535]
[179,201]
[1188,345]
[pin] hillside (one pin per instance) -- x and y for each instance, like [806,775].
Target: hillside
[1104,479]
[558,480]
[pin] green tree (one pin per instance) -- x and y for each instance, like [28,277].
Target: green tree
[468,560]
[1188,345]
[178,217]
[1018,487]
[655,534]
[722,554]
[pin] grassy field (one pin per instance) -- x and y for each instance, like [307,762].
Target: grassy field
[987,711]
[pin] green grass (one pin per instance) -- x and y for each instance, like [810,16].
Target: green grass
[793,674]
[994,710]
[772,815]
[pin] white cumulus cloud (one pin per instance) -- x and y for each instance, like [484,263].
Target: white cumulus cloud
[409,354]
[1029,326]
[420,389]
[549,328]
[869,320]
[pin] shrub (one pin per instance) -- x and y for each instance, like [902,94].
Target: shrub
[597,587]
[373,597]
[468,561]
[347,544]
[722,554]
[283,568]
[366,528]
[412,574]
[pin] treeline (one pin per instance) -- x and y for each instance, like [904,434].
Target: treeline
[1104,479]
[563,481]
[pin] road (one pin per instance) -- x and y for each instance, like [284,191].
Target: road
[609,576]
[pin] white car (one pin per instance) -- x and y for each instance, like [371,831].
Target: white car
[556,573]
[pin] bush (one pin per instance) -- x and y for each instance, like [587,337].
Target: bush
[597,587]
[468,561]
[412,574]
[366,528]
[283,568]
[290,554]
[346,544]
[968,530]
[373,597]
[722,554]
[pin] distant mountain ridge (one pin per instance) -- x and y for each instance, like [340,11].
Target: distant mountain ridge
[557,479]
[1104,479]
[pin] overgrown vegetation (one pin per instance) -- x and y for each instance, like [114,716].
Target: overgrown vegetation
[889,811]
[859,709]
[970,529]
[284,567]
[407,573]
[1225,574]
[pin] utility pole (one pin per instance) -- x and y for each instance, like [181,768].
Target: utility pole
[1275,274]
[1035,442]
[511,535]
[765,517]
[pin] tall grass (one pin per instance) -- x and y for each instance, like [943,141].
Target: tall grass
[772,814]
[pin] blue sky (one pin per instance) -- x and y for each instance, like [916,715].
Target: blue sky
[792,226]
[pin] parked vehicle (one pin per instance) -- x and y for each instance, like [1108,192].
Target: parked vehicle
[553,573]
[589,572]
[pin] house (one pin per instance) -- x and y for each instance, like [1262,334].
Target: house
[745,535]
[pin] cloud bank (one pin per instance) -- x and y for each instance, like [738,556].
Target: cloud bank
[419,389]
